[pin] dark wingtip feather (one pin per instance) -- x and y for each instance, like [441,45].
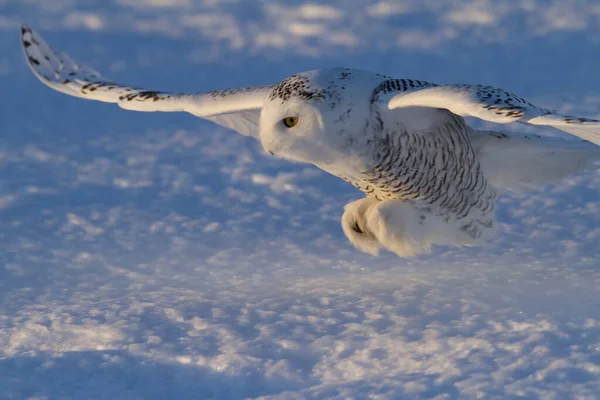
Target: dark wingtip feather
[25,29]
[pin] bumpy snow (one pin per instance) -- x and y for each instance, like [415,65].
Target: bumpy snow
[160,256]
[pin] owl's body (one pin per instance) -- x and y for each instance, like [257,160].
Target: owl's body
[427,176]
[417,163]
[435,180]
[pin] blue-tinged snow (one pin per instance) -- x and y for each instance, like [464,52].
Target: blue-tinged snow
[160,256]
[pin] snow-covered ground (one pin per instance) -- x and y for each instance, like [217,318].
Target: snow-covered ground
[158,256]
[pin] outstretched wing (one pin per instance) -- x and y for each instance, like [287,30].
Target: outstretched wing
[522,162]
[495,105]
[237,109]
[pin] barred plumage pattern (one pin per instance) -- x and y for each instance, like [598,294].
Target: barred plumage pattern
[437,170]
[398,85]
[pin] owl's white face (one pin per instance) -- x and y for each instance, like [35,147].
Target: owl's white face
[294,130]
[318,117]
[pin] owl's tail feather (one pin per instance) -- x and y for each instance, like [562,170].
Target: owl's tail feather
[521,162]
[405,228]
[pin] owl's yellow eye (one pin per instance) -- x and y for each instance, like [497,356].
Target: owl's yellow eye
[290,122]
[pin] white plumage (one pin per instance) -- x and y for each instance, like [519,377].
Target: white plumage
[428,177]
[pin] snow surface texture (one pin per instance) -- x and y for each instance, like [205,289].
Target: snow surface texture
[159,256]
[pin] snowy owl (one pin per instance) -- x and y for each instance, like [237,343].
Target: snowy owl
[428,178]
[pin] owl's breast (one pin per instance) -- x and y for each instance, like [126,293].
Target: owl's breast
[440,169]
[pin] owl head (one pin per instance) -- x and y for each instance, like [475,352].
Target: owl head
[318,116]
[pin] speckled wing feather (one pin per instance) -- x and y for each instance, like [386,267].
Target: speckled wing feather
[495,105]
[237,109]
